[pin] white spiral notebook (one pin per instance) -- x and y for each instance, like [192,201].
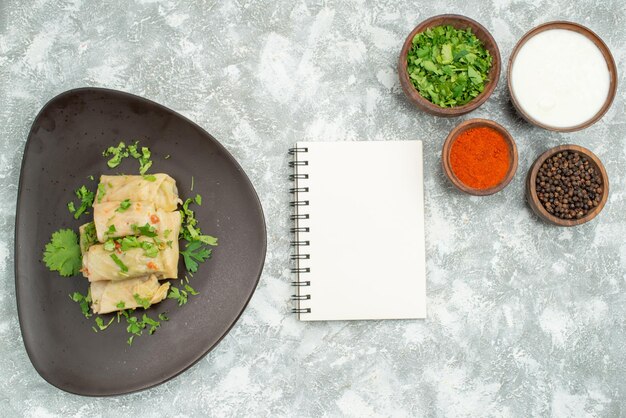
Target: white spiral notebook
[358,230]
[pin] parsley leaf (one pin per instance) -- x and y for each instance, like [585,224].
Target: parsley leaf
[178,295]
[191,290]
[195,253]
[163,316]
[124,205]
[122,151]
[88,236]
[86,200]
[62,253]
[83,301]
[100,323]
[144,302]
[146,230]
[120,305]
[101,191]
[149,177]
[119,263]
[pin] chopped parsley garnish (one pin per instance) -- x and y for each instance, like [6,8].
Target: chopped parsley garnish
[124,205]
[122,151]
[150,250]
[191,290]
[136,326]
[117,153]
[146,230]
[86,200]
[120,305]
[88,236]
[448,66]
[179,295]
[90,177]
[101,191]
[109,245]
[144,302]
[198,200]
[149,177]
[62,253]
[111,230]
[166,233]
[190,230]
[163,316]
[195,252]
[119,263]
[101,325]
[127,243]
[83,301]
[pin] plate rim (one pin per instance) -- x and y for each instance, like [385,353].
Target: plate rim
[18,205]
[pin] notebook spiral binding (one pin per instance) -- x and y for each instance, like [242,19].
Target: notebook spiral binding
[298,204]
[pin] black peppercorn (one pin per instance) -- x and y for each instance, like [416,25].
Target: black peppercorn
[568,185]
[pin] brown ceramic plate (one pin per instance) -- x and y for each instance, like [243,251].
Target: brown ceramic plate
[64,147]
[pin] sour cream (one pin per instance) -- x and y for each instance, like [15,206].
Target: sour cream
[560,78]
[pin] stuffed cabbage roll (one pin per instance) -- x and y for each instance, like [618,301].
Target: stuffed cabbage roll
[159,189]
[118,219]
[132,257]
[110,296]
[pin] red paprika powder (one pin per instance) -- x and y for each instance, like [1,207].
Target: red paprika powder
[479,157]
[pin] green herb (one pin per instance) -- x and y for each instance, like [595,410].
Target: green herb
[166,233]
[130,340]
[88,236]
[83,301]
[124,205]
[101,191]
[178,295]
[150,250]
[189,230]
[163,316]
[127,243]
[111,230]
[100,323]
[151,322]
[146,230]
[195,252]
[109,245]
[122,151]
[149,177]
[86,200]
[190,290]
[119,263]
[169,243]
[62,253]
[448,66]
[90,177]
[120,305]
[144,302]
[118,153]
[198,200]
[134,325]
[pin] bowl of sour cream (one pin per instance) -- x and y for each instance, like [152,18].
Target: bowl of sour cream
[562,76]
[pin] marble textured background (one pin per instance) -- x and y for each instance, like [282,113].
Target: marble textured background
[524,319]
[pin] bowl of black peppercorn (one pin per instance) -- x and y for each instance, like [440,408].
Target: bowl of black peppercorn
[567,185]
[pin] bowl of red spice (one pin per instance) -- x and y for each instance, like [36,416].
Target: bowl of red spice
[479,157]
[567,185]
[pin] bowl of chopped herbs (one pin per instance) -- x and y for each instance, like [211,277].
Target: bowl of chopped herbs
[449,65]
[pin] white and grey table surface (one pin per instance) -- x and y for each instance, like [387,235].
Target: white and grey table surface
[524,319]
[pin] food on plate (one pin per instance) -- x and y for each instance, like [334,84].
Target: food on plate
[111,296]
[131,247]
[157,188]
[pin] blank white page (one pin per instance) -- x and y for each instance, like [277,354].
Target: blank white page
[366,230]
